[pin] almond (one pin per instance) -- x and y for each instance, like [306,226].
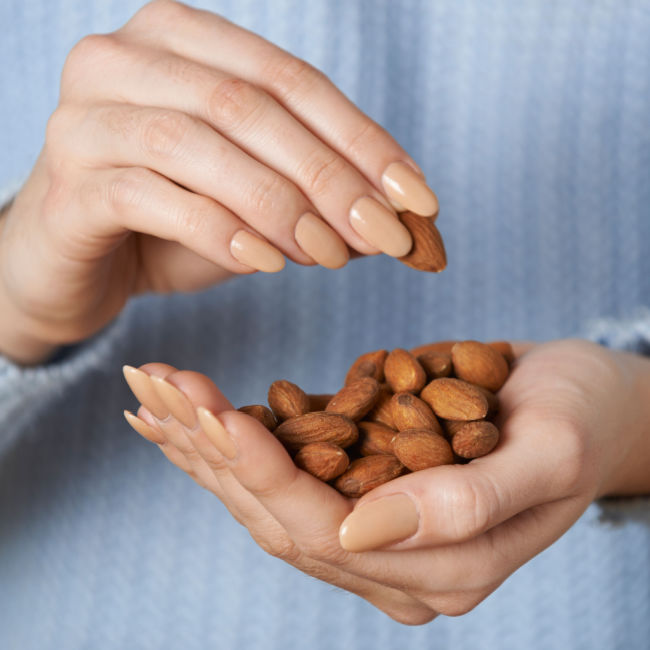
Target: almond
[505,349]
[322,460]
[404,372]
[450,427]
[410,412]
[370,364]
[422,448]
[436,364]
[355,399]
[492,400]
[474,439]
[375,438]
[479,364]
[318,426]
[438,346]
[367,473]
[319,402]
[382,411]
[287,400]
[428,251]
[455,399]
[261,414]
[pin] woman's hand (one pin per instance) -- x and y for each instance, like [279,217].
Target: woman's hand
[185,149]
[575,420]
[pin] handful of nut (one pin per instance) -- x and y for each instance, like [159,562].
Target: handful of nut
[398,412]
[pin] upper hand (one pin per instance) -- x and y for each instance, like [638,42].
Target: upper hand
[185,149]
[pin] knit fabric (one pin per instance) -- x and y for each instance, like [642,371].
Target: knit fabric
[531,122]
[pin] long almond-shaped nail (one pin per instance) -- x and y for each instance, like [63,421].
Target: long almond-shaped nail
[144,429]
[380,227]
[381,522]
[405,186]
[255,252]
[140,384]
[320,242]
[217,433]
[179,406]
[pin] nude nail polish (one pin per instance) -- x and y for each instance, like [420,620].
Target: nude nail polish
[256,253]
[380,227]
[378,523]
[216,432]
[406,187]
[140,384]
[143,428]
[320,242]
[179,406]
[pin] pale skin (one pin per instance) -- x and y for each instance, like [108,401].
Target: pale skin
[149,171]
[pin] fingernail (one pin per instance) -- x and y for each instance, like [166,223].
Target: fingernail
[320,242]
[378,523]
[140,384]
[217,433]
[405,186]
[143,428]
[255,252]
[380,227]
[179,406]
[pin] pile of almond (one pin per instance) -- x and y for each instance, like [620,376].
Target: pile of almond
[397,412]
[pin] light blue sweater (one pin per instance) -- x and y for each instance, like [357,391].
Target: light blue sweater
[532,121]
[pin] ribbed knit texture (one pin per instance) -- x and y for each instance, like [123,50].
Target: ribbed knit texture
[531,121]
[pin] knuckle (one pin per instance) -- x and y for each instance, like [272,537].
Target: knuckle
[163,132]
[159,12]
[453,604]
[325,548]
[58,128]
[409,614]
[468,508]
[192,219]
[279,546]
[365,138]
[232,102]
[320,171]
[126,189]
[273,195]
[288,74]
[86,54]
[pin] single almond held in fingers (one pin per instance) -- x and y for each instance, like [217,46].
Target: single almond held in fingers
[403,371]
[422,448]
[410,412]
[370,364]
[455,399]
[428,251]
[480,364]
[261,413]
[319,426]
[367,473]
[287,400]
[355,399]
[475,439]
[323,460]
[375,438]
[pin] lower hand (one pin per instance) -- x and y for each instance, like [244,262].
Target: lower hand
[574,425]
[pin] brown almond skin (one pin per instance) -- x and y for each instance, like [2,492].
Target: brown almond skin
[436,364]
[261,413]
[428,251]
[436,346]
[319,402]
[355,399]
[450,427]
[287,400]
[367,473]
[410,412]
[422,448]
[318,426]
[382,411]
[475,439]
[370,364]
[323,460]
[404,372]
[505,349]
[479,364]
[492,400]
[375,438]
[455,399]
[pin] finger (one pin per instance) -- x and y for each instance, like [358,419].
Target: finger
[305,91]
[259,125]
[141,200]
